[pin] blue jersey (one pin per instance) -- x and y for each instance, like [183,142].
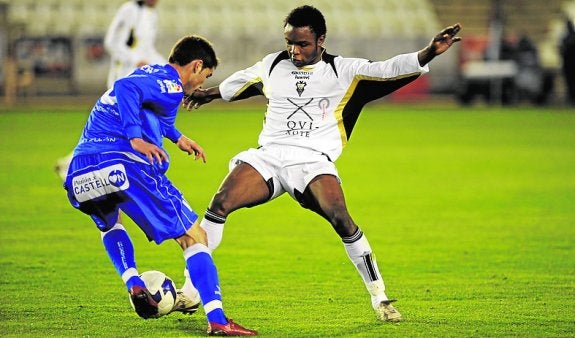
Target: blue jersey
[143,104]
[107,175]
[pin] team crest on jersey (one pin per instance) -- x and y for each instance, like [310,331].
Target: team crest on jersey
[300,86]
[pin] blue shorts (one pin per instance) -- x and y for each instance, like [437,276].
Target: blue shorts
[101,184]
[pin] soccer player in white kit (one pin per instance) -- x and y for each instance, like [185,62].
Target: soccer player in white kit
[314,99]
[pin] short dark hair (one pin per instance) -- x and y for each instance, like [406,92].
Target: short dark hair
[193,47]
[307,16]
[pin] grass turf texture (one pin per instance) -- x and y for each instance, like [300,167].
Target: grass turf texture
[471,213]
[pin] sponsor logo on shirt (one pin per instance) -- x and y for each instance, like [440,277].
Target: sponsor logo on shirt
[100,182]
[173,86]
[301,122]
[301,74]
[170,86]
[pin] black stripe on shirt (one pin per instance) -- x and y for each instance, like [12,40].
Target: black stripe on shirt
[367,91]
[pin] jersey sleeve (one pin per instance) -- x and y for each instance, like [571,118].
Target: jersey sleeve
[243,84]
[373,80]
[395,68]
[169,129]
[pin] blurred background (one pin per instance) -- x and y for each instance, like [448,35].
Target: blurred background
[510,53]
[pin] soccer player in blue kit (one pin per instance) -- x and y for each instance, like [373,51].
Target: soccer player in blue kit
[313,102]
[120,164]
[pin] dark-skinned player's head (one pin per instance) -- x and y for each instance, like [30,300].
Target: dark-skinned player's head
[304,33]
[307,16]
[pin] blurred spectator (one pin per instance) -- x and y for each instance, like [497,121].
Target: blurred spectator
[131,37]
[531,80]
[508,48]
[567,50]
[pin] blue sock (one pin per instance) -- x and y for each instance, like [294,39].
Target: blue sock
[120,249]
[204,276]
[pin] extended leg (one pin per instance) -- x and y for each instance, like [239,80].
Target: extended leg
[243,186]
[325,197]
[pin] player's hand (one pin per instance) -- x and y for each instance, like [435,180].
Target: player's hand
[151,151]
[196,99]
[442,41]
[439,44]
[191,147]
[200,96]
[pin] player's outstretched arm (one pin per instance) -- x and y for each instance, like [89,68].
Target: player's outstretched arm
[200,97]
[439,44]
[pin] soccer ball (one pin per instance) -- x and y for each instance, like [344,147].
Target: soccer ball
[162,288]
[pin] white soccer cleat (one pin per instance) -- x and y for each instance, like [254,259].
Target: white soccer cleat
[187,304]
[387,313]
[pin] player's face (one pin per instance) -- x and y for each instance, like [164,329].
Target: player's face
[302,45]
[197,79]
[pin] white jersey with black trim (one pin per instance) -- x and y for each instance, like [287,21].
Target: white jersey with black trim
[316,106]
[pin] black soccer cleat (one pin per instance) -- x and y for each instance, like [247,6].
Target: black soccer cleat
[145,306]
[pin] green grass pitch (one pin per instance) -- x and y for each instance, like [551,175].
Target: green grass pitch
[470,211]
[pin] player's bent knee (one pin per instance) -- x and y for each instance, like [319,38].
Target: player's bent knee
[194,235]
[221,204]
[342,224]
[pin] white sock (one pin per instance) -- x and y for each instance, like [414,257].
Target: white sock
[213,225]
[377,291]
[360,253]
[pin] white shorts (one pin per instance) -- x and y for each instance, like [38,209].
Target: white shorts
[290,168]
